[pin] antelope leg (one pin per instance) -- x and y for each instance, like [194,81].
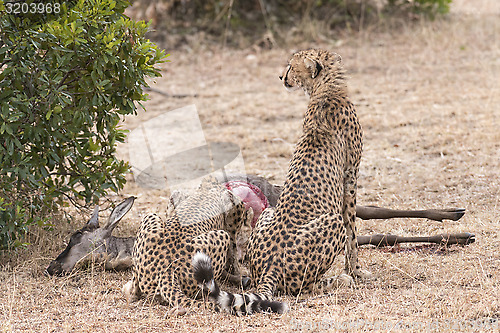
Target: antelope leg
[380,240]
[374,212]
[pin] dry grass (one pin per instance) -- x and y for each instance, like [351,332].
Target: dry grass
[428,97]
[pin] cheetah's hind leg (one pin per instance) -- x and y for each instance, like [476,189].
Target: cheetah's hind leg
[217,245]
[168,290]
[171,294]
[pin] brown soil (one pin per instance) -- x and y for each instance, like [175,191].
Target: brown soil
[428,97]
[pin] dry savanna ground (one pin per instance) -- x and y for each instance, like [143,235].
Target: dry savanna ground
[428,97]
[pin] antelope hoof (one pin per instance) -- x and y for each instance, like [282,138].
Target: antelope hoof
[466,238]
[455,214]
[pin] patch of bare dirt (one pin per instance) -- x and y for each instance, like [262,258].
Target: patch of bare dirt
[428,97]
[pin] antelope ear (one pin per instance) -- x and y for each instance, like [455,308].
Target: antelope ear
[314,66]
[118,213]
[94,220]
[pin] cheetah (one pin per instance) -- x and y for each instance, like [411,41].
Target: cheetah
[293,245]
[207,221]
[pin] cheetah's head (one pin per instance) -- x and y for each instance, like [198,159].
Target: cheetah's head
[310,68]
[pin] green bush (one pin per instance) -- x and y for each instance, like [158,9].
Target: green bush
[252,17]
[65,80]
[429,8]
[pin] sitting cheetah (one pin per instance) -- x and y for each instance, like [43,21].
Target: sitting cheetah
[206,221]
[293,245]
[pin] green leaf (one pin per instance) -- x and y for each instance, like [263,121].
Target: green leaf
[63,86]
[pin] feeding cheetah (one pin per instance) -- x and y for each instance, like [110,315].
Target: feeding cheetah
[293,245]
[207,222]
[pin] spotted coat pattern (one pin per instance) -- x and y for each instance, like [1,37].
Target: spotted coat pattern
[207,222]
[294,244]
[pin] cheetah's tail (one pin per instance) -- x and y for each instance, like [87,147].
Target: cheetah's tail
[239,304]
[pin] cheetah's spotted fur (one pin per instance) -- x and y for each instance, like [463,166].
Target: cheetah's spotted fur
[293,245]
[206,222]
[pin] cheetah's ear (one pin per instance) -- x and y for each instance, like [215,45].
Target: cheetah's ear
[338,58]
[314,66]
[208,183]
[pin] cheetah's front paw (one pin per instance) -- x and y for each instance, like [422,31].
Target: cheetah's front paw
[177,311]
[130,291]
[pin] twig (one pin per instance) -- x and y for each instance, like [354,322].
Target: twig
[230,12]
[266,17]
